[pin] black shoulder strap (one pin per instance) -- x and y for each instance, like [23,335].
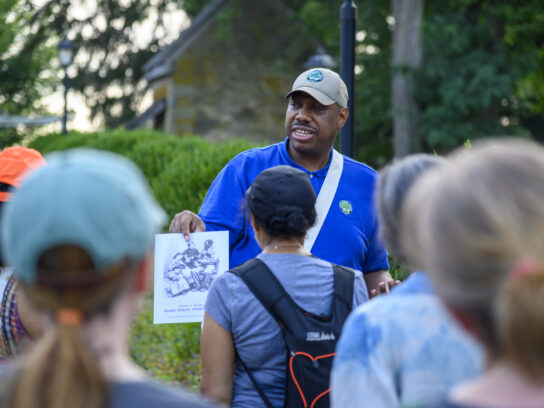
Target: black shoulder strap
[255,273]
[343,284]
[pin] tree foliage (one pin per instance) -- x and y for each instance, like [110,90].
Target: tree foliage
[483,71]
[107,65]
[23,55]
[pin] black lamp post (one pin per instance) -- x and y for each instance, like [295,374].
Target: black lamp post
[348,17]
[66,52]
[320,59]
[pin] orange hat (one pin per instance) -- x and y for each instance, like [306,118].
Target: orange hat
[14,164]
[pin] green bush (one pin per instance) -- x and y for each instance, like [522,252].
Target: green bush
[187,179]
[398,270]
[170,352]
[180,171]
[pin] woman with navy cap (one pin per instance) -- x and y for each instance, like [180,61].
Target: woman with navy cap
[81,260]
[237,328]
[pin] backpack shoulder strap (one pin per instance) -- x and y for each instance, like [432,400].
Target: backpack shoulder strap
[262,283]
[343,284]
[256,275]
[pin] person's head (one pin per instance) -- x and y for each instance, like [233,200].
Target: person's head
[281,203]
[208,243]
[392,187]
[77,233]
[479,225]
[15,163]
[317,110]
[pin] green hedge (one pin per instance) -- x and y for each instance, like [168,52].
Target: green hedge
[180,171]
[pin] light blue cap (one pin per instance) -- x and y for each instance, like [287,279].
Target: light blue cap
[96,200]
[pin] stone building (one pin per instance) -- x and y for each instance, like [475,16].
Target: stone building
[226,75]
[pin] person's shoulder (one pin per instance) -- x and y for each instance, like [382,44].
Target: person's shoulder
[256,153]
[248,164]
[153,394]
[359,167]
[358,178]
[226,280]
[395,310]
[377,309]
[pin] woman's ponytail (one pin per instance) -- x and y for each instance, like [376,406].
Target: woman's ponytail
[520,322]
[60,372]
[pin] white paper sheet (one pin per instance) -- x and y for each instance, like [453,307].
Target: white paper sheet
[184,272]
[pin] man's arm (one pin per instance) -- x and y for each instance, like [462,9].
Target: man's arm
[221,210]
[379,282]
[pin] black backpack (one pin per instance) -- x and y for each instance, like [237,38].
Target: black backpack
[310,339]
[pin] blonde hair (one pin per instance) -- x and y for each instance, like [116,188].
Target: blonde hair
[61,371]
[469,223]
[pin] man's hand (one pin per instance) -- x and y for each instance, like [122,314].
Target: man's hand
[379,282]
[187,222]
[383,287]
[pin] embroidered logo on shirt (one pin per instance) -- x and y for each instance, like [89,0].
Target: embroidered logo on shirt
[315,76]
[346,207]
[316,336]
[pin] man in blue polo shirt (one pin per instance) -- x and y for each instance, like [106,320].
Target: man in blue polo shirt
[346,228]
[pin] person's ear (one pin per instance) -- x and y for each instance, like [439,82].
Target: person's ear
[258,230]
[142,275]
[342,117]
[256,227]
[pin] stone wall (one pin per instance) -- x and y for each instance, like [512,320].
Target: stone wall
[231,82]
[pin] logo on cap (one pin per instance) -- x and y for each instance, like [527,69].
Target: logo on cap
[315,76]
[346,207]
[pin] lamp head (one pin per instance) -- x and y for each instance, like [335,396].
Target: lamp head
[66,52]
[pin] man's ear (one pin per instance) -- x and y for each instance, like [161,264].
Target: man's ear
[342,117]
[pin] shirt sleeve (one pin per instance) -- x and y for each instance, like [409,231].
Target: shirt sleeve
[362,372]
[222,208]
[360,292]
[376,258]
[219,301]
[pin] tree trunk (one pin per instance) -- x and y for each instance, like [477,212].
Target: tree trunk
[407,58]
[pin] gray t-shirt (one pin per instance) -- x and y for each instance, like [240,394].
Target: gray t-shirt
[257,336]
[152,394]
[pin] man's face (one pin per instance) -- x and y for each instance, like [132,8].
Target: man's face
[311,126]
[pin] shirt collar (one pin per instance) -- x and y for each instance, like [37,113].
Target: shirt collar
[321,173]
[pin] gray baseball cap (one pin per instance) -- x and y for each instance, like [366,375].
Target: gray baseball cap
[324,85]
